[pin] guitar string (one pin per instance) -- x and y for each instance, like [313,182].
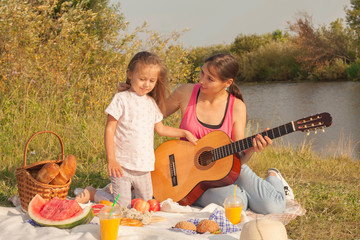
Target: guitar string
[218,153]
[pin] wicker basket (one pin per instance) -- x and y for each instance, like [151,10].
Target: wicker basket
[28,186]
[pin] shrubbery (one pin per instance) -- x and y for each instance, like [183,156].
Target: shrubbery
[60,64]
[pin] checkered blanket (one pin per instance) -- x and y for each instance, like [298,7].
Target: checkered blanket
[219,217]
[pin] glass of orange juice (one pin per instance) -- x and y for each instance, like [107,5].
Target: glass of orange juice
[233,206]
[109,223]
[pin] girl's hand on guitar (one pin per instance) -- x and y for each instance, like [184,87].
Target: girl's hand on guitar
[115,169]
[260,142]
[123,87]
[190,137]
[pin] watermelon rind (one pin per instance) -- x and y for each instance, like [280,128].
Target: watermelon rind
[85,217]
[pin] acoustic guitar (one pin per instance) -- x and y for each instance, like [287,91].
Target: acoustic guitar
[183,171]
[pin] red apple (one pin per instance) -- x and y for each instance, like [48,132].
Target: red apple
[133,201]
[141,206]
[154,205]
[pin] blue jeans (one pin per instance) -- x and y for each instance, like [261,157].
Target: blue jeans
[259,195]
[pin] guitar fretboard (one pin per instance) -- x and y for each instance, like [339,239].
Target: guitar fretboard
[246,143]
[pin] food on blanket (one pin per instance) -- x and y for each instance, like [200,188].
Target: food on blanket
[134,201]
[47,173]
[67,170]
[155,219]
[154,205]
[97,207]
[207,225]
[186,225]
[145,218]
[106,202]
[130,222]
[60,213]
[141,206]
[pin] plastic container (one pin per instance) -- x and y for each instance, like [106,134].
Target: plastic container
[233,206]
[109,225]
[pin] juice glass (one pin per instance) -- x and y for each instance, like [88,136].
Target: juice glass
[233,206]
[109,225]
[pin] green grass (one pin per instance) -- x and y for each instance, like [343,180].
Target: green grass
[327,187]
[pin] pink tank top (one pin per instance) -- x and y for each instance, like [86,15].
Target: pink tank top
[192,124]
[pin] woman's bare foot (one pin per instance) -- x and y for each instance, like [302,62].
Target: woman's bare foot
[86,195]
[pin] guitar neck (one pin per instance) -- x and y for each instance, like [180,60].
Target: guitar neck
[246,143]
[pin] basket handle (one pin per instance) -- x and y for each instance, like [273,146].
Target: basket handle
[28,142]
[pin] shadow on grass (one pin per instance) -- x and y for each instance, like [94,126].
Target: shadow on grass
[8,186]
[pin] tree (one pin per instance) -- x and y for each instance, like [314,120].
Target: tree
[321,46]
[353,20]
[248,43]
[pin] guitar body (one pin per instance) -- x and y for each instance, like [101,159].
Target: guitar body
[183,171]
[180,175]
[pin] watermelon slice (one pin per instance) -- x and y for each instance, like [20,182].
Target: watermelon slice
[58,213]
[96,208]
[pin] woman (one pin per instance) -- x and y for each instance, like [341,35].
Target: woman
[216,104]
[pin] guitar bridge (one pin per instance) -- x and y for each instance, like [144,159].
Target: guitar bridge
[173,170]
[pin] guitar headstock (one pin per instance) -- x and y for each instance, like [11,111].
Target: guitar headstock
[318,121]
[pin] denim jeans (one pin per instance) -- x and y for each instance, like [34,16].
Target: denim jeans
[259,195]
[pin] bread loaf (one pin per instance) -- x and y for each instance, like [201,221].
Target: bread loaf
[48,172]
[67,170]
[207,225]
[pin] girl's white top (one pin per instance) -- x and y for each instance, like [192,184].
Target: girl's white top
[134,135]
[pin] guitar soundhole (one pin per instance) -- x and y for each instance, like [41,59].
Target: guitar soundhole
[205,158]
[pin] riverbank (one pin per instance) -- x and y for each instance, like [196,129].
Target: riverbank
[327,187]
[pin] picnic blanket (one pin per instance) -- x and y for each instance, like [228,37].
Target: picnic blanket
[15,224]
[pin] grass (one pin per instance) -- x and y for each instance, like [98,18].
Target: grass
[327,187]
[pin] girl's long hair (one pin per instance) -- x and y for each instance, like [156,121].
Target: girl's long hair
[226,67]
[161,90]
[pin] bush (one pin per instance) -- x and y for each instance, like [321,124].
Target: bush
[60,63]
[329,72]
[353,71]
[272,62]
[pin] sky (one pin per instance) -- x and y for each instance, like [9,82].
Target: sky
[221,21]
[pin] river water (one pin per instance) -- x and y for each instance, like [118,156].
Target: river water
[273,104]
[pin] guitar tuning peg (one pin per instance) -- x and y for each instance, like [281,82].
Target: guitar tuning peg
[307,133]
[323,129]
[315,131]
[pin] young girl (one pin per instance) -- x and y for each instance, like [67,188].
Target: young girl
[129,133]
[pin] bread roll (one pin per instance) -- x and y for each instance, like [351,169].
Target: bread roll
[186,225]
[67,170]
[207,225]
[48,172]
